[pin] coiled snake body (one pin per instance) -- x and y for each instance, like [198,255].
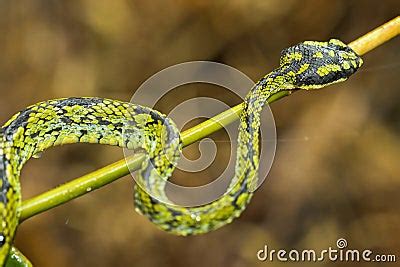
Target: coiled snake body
[308,65]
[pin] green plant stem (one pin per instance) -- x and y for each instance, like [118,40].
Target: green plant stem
[112,172]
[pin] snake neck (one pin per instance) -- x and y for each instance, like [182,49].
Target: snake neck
[250,120]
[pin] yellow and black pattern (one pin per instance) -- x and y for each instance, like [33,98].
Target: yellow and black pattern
[308,65]
[80,120]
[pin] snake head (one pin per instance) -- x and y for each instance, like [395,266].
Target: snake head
[313,65]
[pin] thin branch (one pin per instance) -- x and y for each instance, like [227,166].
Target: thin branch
[376,37]
[112,172]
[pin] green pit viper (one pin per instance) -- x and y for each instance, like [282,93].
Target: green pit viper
[308,65]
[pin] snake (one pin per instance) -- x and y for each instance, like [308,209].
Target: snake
[307,65]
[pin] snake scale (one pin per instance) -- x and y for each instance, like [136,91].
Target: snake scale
[308,65]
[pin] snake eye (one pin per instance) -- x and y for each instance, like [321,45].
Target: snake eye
[2,239]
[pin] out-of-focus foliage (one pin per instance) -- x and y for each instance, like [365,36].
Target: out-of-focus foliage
[336,171]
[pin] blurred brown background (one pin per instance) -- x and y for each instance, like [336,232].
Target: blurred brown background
[336,171]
